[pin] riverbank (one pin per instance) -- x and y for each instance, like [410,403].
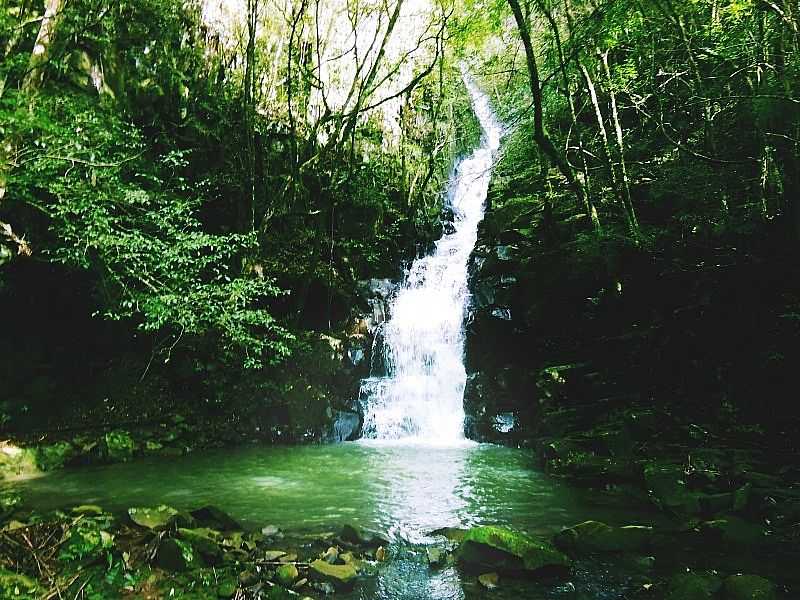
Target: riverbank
[150,533]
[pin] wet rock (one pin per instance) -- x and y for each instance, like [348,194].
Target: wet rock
[338,575]
[489,580]
[299,583]
[152,518]
[748,587]
[380,554]
[214,518]
[436,556]
[286,574]
[175,555]
[594,536]
[270,531]
[331,555]
[692,586]
[345,426]
[271,555]
[358,537]
[501,549]
[453,534]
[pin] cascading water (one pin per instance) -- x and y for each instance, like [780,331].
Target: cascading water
[420,395]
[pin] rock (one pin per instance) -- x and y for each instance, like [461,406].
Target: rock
[489,580]
[271,555]
[692,586]
[345,426]
[270,531]
[451,533]
[87,510]
[152,518]
[286,574]
[331,555]
[203,540]
[339,575]
[291,557]
[175,555]
[748,587]
[435,556]
[505,550]
[357,537]
[380,554]
[299,583]
[214,518]
[594,536]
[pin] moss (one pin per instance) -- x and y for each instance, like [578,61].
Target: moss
[499,548]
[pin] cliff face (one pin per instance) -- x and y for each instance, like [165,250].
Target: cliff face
[569,330]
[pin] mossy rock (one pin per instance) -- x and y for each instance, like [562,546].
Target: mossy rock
[594,536]
[13,585]
[495,548]
[692,586]
[152,518]
[748,587]
[342,576]
[451,533]
[286,574]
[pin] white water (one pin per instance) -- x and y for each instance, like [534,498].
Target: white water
[421,396]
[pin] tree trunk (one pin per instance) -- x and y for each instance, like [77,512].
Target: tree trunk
[633,222]
[540,136]
[41,50]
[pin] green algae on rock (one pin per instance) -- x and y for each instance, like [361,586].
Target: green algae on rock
[502,549]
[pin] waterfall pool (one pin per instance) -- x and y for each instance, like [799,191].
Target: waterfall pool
[402,490]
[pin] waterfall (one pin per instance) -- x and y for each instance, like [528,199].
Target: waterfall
[418,390]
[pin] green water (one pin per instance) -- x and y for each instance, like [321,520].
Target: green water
[403,491]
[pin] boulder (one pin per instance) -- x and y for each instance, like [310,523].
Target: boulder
[667,487]
[594,536]
[748,587]
[342,576]
[499,549]
[436,556]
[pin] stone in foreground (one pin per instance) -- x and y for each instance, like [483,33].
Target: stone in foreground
[500,549]
[339,575]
